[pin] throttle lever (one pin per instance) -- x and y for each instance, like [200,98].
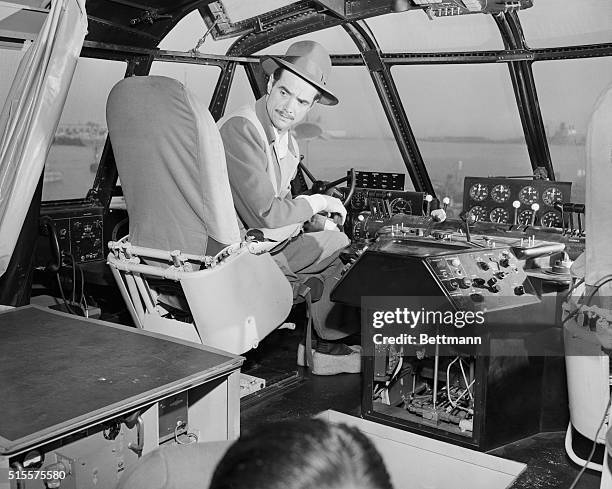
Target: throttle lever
[560,207]
[579,209]
[569,207]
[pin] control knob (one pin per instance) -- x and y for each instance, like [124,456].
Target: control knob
[478,282]
[465,283]
[452,284]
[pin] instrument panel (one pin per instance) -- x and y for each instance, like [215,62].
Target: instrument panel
[471,278]
[515,201]
[379,196]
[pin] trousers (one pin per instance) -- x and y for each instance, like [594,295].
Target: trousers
[316,256]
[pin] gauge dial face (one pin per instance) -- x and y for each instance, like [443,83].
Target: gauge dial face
[479,192]
[400,205]
[479,213]
[500,193]
[552,195]
[524,217]
[528,195]
[499,214]
[552,219]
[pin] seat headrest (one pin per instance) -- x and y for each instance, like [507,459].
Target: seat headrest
[171,164]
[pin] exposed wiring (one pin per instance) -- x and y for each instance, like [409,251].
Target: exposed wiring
[468,388]
[573,287]
[588,460]
[467,382]
[82,302]
[602,281]
[597,287]
[61,289]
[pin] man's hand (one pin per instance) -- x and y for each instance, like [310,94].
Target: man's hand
[325,203]
[320,223]
[334,206]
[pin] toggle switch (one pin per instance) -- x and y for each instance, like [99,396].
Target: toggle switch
[516,204]
[428,199]
[445,202]
[535,207]
[465,283]
[452,284]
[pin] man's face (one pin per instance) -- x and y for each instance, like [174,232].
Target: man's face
[289,100]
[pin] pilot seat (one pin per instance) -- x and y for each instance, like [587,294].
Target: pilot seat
[184,249]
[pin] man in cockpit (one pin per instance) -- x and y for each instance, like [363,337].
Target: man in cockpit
[262,158]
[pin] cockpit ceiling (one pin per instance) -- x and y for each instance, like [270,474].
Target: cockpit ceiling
[144,23]
[138,23]
[235,17]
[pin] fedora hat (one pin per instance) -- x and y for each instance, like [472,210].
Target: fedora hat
[309,61]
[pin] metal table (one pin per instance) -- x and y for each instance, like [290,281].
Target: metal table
[67,382]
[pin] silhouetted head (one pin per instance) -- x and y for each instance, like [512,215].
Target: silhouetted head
[302,454]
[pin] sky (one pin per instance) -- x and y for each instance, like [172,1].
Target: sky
[449,100]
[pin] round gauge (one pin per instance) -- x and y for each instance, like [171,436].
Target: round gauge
[479,192]
[528,195]
[479,213]
[400,205]
[499,214]
[551,219]
[500,193]
[524,217]
[358,201]
[552,195]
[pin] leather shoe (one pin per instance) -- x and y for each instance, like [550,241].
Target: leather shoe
[330,364]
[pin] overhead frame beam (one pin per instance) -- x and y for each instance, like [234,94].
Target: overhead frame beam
[525,92]
[222,89]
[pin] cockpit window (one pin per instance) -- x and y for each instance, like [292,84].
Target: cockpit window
[567,91]
[552,23]
[185,35]
[413,32]
[200,79]
[79,140]
[466,122]
[355,133]
[335,40]
[240,93]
